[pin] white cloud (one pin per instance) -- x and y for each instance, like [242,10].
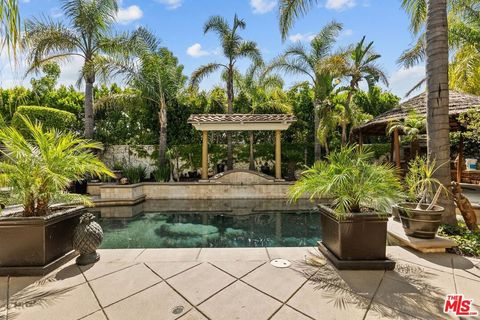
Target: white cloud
[403,80]
[301,37]
[263,6]
[196,51]
[171,4]
[129,14]
[340,4]
[346,33]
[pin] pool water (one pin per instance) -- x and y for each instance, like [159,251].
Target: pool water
[249,226]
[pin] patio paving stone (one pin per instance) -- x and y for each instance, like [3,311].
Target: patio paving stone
[101,268]
[292,254]
[424,279]
[328,303]
[287,313]
[115,255]
[280,283]
[162,255]
[407,298]
[193,314]
[248,304]
[3,292]
[200,282]
[467,267]
[380,312]
[123,283]
[438,261]
[170,269]
[96,316]
[233,254]
[238,268]
[47,304]
[157,302]
[470,288]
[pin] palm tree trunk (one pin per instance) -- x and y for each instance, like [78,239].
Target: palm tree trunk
[251,156]
[438,127]
[317,146]
[344,132]
[88,106]
[162,146]
[230,111]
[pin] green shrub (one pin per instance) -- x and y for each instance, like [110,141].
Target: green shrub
[468,242]
[134,174]
[49,117]
[161,174]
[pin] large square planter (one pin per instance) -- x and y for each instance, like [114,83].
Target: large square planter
[355,242]
[37,245]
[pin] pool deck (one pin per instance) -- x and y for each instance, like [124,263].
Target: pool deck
[232,283]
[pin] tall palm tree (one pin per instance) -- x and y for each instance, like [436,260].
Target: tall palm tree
[9,25]
[234,48]
[85,36]
[431,15]
[362,66]
[263,90]
[151,70]
[322,68]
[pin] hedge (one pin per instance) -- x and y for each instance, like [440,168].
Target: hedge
[49,117]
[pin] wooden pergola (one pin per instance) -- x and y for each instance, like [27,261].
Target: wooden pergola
[241,122]
[458,103]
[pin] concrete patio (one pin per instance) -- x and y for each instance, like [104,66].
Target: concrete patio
[229,284]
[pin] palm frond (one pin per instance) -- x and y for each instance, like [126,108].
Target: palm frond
[290,11]
[202,72]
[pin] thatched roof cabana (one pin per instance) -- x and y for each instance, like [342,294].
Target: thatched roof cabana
[459,103]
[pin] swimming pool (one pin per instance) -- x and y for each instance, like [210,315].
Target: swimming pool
[211,223]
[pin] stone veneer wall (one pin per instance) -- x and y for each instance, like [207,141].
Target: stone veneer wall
[194,191]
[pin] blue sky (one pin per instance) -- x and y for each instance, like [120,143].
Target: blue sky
[179,24]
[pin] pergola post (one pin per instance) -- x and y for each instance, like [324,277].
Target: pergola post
[204,155]
[278,155]
[396,144]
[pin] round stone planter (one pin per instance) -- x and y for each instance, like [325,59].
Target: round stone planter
[420,223]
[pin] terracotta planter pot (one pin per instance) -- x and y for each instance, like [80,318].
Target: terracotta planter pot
[35,245]
[420,223]
[361,236]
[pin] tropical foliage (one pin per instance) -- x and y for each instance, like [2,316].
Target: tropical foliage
[353,182]
[39,169]
[234,47]
[85,36]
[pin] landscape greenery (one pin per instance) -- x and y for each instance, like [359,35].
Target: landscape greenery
[153,93]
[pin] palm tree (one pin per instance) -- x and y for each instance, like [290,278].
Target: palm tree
[151,70]
[263,89]
[234,48]
[9,25]
[86,36]
[321,67]
[361,66]
[412,126]
[432,16]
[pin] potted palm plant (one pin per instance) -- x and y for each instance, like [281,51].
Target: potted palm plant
[36,168]
[421,216]
[354,225]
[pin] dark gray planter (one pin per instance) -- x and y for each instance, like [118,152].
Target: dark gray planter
[420,223]
[355,242]
[37,245]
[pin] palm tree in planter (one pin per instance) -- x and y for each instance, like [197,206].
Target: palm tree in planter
[37,167]
[362,192]
[412,126]
[421,216]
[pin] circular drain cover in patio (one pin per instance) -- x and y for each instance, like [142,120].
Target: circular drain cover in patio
[280,263]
